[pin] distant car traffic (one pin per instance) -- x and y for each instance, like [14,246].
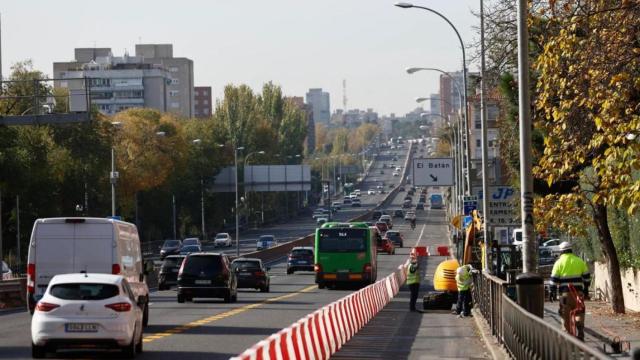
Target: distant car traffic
[356,203]
[207,275]
[251,274]
[337,205]
[420,206]
[87,310]
[222,239]
[371,192]
[170,247]
[191,241]
[410,215]
[186,250]
[168,274]
[266,242]
[300,258]
[382,227]
[387,219]
[322,220]
[398,213]
[395,237]
[385,245]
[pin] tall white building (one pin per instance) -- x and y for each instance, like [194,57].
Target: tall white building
[152,78]
[320,105]
[116,83]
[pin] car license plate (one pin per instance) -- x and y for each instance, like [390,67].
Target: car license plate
[302,262]
[80,328]
[203,282]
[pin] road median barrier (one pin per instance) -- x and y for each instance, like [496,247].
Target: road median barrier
[13,293]
[323,332]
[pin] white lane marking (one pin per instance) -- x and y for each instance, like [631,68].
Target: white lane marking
[421,233]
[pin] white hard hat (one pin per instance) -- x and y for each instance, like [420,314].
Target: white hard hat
[565,245]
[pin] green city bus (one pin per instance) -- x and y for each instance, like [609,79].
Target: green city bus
[345,253]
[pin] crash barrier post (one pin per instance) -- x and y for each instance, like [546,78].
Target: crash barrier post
[323,332]
[524,335]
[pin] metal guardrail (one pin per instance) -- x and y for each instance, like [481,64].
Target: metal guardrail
[524,335]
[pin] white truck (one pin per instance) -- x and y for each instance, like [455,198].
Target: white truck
[83,244]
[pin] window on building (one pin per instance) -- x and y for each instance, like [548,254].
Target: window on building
[478,125]
[173,69]
[175,82]
[478,143]
[205,92]
[206,102]
[492,113]
[174,92]
[175,105]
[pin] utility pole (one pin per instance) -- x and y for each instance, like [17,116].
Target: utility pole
[485,151]
[529,284]
[173,203]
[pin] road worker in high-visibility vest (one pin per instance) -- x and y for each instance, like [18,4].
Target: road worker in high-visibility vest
[464,280]
[413,279]
[569,269]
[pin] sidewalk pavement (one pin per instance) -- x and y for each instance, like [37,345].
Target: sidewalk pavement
[602,325]
[397,333]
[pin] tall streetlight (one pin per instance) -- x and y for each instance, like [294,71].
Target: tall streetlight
[244,167]
[406,5]
[235,161]
[198,142]
[113,176]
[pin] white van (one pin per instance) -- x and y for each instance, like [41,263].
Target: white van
[92,245]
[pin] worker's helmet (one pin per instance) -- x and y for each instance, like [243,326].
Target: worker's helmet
[564,246]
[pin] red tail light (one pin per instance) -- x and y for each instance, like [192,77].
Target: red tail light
[119,307]
[367,268]
[31,278]
[45,307]
[317,268]
[115,269]
[259,273]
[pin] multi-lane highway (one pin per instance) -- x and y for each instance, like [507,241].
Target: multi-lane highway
[212,329]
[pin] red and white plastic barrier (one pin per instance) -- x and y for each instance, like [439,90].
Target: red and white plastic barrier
[320,334]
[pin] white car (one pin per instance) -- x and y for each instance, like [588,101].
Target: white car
[322,220]
[553,245]
[266,242]
[87,310]
[395,173]
[6,272]
[410,215]
[222,239]
[371,192]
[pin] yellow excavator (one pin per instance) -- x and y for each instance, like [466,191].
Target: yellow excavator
[445,291]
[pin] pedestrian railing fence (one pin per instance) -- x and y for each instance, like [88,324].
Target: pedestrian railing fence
[524,335]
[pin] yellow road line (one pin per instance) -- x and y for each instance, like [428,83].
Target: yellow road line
[196,323]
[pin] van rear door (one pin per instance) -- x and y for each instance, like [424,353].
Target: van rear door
[94,247]
[63,248]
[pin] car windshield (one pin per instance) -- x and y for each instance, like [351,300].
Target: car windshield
[222,236]
[84,291]
[190,242]
[202,265]
[301,252]
[171,243]
[246,265]
[266,238]
[342,240]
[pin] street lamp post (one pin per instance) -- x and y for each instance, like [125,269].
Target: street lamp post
[202,222]
[405,5]
[235,159]
[113,176]
[244,167]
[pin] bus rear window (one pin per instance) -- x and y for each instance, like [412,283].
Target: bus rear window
[342,240]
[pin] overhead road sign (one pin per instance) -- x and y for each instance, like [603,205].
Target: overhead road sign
[432,172]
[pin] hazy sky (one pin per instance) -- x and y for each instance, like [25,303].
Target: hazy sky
[298,44]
